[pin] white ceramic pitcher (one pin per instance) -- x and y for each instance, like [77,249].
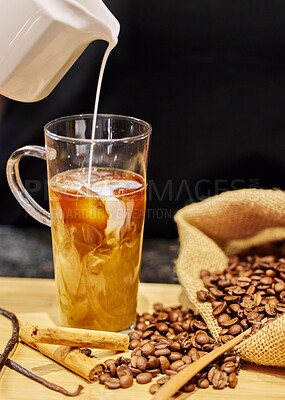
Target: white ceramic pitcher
[41,39]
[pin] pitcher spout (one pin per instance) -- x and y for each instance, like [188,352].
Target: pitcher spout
[102,21]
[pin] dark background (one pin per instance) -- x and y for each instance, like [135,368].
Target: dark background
[208,75]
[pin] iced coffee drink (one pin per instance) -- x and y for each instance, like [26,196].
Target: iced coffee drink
[97,241]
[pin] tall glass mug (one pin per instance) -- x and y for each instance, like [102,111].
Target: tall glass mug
[97,224]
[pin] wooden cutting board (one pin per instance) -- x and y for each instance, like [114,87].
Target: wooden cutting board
[34,300]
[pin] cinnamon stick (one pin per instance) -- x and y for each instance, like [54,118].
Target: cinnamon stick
[70,357]
[76,337]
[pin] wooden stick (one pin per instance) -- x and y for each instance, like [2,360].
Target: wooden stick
[70,357]
[76,337]
[177,381]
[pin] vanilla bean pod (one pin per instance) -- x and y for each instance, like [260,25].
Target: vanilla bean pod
[14,338]
[16,367]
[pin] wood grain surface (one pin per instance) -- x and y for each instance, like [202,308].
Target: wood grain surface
[34,300]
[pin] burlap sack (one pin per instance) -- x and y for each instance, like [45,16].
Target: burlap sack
[225,225]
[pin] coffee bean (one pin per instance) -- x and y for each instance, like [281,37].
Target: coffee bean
[112,383]
[147,334]
[177,326]
[198,355]
[220,309]
[163,380]
[141,363]
[203,383]
[279,287]
[230,358]
[109,362]
[231,299]
[147,349]
[141,326]
[154,371]
[135,335]
[113,370]
[104,376]
[123,370]
[162,316]
[162,327]
[188,342]
[157,306]
[280,308]
[162,352]
[239,291]
[207,282]
[244,324]
[144,378]
[250,290]
[219,380]
[188,387]
[243,281]
[154,388]
[230,322]
[153,362]
[235,330]
[272,300]
[170,372]
[234,307]
[174,356]
[201,337]
[212,372]
[174,314]
[223,318]
[282,296]
[218,294]
[161,345]
[247,303]
[267,280]
[186,359]
[228,367]
[175,346]
[226,338]
[176,364]
[200,325]
[164,363]
[232,379]
[134,343]
[134,361]
[253,316]
[136,352]
[135,371]
[270,309]
[126,381]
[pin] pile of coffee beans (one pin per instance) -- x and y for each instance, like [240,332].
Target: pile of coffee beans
[248,291]
[165,342]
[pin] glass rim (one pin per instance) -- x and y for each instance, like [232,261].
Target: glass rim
[125,139]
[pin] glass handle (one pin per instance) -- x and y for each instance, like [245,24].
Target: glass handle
[17,187]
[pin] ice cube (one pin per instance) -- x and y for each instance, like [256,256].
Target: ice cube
[107,187]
